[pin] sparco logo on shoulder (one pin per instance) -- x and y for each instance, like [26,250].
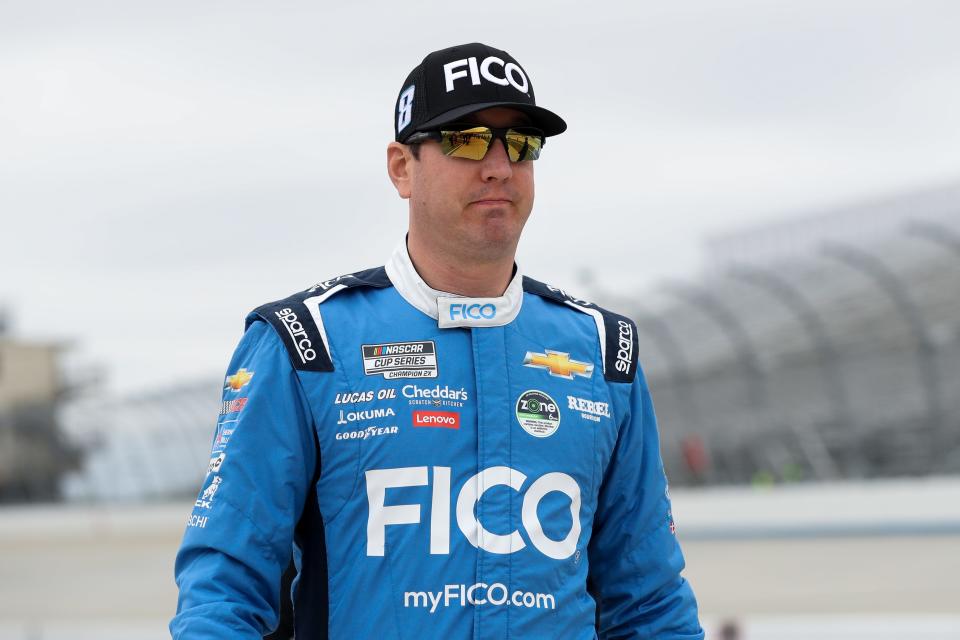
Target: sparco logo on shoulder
[511,72]
[624,346]
[298,334]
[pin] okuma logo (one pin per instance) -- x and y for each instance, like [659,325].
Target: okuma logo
[511,73]
[366,414]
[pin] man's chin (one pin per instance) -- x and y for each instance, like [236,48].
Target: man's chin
[496,238]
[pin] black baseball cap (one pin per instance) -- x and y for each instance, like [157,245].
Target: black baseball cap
[460,80]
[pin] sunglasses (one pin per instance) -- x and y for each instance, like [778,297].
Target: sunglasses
[473,141]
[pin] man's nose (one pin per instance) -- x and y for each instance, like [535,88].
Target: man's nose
[496,164]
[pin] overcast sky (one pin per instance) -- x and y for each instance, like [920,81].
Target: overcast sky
[165,167]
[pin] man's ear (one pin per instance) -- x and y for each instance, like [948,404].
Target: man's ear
[399,161]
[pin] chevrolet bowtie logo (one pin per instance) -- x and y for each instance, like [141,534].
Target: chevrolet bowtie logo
[558,364]
[238,380]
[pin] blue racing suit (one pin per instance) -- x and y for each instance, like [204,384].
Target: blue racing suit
[439,467]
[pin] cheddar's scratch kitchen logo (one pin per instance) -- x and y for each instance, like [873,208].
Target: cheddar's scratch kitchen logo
[238,380]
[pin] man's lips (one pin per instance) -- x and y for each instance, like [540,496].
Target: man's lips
[492,201]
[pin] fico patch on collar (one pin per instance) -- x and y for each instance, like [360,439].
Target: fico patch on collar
[468,312]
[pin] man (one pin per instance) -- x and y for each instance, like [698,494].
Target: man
[453,450]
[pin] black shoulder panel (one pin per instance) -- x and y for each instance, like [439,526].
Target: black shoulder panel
[375,277]
[619,332]
[301,334]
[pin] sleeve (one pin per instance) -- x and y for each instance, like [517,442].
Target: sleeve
[635,559]
[239,535]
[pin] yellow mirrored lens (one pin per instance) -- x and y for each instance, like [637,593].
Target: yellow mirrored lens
[523,146]
[469,143]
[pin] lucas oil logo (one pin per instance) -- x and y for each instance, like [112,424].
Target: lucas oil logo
[400,359]
[356,397]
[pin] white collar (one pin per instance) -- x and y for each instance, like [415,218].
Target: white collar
[450,309]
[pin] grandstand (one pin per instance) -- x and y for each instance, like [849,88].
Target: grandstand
[824,346]
[149,445]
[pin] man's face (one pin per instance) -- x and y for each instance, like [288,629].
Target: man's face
[476,208]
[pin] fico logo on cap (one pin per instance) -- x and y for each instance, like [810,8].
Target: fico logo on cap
[512,73]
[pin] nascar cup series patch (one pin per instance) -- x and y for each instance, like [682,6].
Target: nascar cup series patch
[400,359]
[538,413]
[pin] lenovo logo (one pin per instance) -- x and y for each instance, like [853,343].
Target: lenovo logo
[442,419]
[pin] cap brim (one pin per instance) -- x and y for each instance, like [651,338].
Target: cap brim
[550,123]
